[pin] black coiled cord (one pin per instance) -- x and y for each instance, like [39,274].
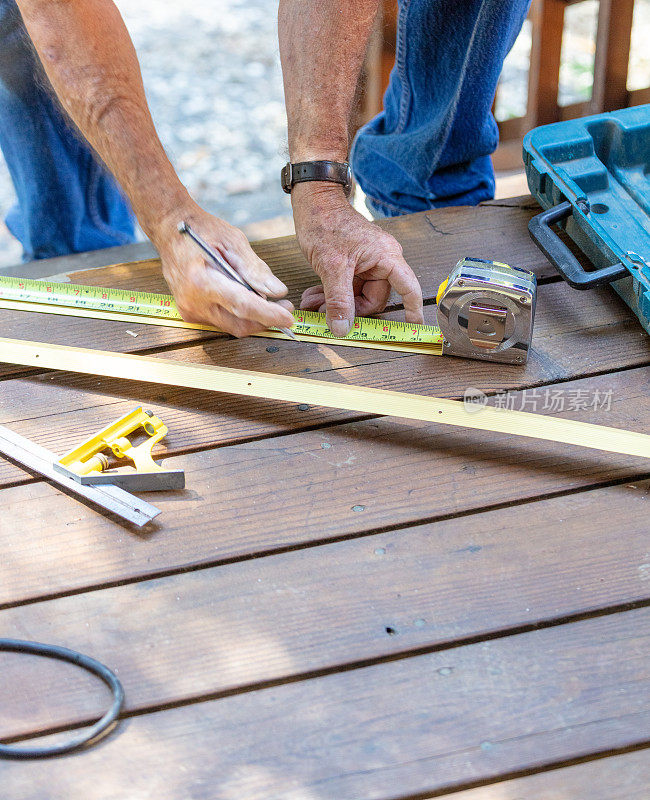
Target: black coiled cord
[79,660]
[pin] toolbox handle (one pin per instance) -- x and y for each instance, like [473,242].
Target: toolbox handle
[562,258]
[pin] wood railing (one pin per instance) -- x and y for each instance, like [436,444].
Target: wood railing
[547,18]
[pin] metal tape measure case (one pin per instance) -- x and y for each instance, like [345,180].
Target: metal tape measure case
[486,310]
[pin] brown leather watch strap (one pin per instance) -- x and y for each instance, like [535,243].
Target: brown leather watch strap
[332,171]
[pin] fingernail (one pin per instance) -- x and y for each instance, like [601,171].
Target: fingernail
[340,327]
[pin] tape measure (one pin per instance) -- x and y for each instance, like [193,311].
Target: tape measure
[485,311]
[126,305]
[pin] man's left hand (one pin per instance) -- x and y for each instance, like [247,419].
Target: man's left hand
[357,262]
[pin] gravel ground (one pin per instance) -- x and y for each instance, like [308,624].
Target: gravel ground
[212,76]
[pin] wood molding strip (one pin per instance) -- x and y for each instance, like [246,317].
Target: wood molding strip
[320,393]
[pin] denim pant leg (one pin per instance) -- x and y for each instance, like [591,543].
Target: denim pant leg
[67,201]
[431,144]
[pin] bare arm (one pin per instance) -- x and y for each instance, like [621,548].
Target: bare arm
[90,60]
[322,47]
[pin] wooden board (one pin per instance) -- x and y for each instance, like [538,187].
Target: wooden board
[408,727]
[341,481]
[624,777]
[339,607]
[298,613]
[432,242]
[360,399]
[569,341]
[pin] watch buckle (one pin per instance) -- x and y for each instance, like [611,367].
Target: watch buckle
[287,177]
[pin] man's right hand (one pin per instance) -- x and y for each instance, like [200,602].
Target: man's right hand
[205,295]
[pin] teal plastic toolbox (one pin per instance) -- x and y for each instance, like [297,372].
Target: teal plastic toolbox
[592,175]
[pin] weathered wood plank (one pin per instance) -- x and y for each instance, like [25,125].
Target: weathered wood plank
[275,618]
[522,201]
[570,340]
[624,777]
[313,486]
[59,267]
[64,266]
[433,241]
[413,726]
[122,337]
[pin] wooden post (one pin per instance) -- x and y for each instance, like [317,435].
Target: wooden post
[371,83]
[612,55]
[544,76]
[379,60]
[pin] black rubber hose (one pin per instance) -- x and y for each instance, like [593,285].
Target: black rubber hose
[79,660]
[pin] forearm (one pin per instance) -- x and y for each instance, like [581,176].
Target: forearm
[90,60]
[322,47]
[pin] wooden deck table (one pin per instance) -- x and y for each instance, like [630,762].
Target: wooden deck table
[342,607]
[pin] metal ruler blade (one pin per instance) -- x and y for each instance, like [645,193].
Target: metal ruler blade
[109,498]
[125,305]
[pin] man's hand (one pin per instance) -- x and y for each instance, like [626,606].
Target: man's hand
[202,293]
[90,61]
[357,262]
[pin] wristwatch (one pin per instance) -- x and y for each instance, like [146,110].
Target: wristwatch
[332,171]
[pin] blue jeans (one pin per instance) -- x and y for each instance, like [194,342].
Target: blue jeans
[431,144]
[67,201]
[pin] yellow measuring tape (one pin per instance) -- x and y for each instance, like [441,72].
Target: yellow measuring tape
[126,305]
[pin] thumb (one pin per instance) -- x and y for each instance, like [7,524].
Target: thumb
[339,301]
